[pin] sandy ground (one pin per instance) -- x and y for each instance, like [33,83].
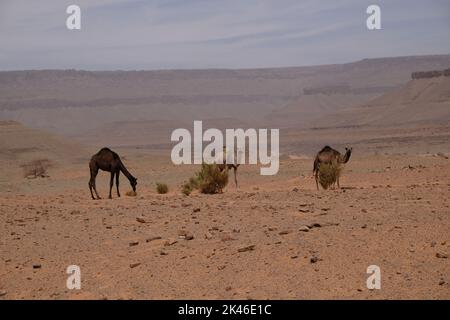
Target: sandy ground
[393,211]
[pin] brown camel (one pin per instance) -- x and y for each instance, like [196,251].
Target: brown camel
[108,160]
[330,156]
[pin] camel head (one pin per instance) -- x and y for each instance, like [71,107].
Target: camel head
[133,183]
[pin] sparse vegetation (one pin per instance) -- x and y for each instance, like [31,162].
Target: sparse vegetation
[208,180]
[189,186]
[162,188]
[328,174]
[211,180]
[36,168]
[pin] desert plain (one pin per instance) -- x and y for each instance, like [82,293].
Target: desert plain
[276,237]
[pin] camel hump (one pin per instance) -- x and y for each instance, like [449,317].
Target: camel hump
[326,148]
[106,150]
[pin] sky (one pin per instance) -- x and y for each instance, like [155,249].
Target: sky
[199,34]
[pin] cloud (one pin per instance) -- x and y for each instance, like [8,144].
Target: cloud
[137,34]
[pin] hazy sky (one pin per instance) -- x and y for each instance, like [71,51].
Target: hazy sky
[161,34]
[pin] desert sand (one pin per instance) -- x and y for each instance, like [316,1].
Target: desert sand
[276,237]
[392,211]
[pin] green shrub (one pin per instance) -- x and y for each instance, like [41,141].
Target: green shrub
[187,188]
[328,174]
[211,180]
[208,180]
[162,188]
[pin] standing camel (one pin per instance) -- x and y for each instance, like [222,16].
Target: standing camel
[330,156]
[229,164]
[108,160]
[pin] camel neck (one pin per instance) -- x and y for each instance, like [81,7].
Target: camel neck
[125,171]
[346,157]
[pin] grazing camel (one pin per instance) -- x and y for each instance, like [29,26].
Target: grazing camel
[228,165]
[108,160]
[330,156]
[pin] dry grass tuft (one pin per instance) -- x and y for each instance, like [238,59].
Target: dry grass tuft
[36,168]
[162,188]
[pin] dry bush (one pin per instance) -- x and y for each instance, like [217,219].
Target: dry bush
[36,168]
[162,188]
[211,180]
[189,186]
[131,193]
[208,180]
[328,174]
[186,189]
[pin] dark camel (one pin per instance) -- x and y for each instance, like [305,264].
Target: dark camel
[330,156]
[108,160]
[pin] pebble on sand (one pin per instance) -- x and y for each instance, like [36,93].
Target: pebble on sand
[247,248]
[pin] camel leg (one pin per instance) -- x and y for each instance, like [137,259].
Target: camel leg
[111,184]
[235,178]
[90,188]
[94,172]
[117,183]
[316,177]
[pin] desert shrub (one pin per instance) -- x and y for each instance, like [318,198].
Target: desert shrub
[189,186]
[328,174]
[36,168]
[162,188]
[131,193]
[211,180]
[186,188]
[208,180]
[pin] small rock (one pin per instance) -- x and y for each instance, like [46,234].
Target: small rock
[295,189]
[141,220]
[208,236]
[152,239]
[313,259]
[304,229]
[441,255]
[189,236]
[364,226]
[441,283]
[134,265]
[247,248]
[170,242]
[284,232]
[196,210]
[37,266]
[133,243]
[3,293]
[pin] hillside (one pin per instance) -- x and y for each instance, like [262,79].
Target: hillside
[21,145]
[76,102]
[420,101]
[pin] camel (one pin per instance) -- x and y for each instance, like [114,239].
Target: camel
[108,160]
[329,155]
[228,166]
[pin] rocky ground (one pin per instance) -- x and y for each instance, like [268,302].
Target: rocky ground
[275,238]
